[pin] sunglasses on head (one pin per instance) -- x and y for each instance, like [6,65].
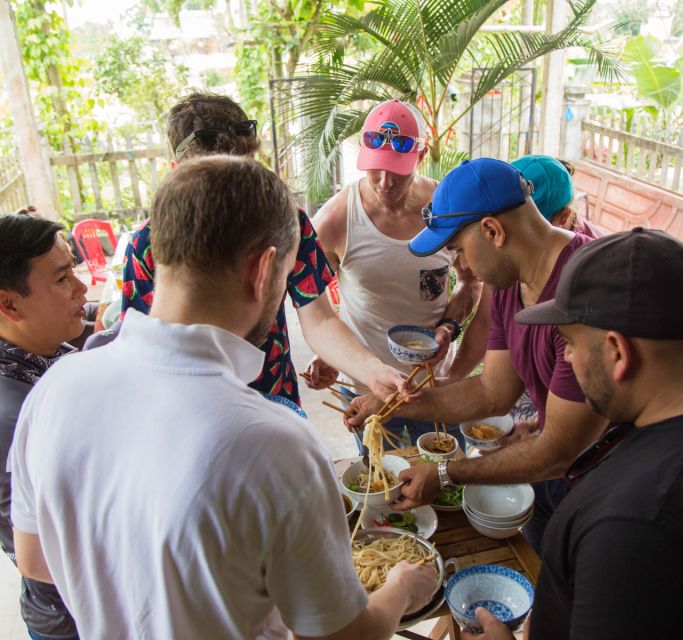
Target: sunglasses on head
[399,143]
[208,137]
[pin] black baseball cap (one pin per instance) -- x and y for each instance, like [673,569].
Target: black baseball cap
[631,282]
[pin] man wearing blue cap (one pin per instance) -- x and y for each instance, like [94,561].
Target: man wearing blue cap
[483,209]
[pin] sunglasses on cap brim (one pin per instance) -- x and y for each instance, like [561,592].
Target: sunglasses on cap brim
[208,137]
[399,143]
[428,216]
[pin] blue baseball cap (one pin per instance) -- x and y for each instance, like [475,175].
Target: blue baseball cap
[472,191]
[553,189]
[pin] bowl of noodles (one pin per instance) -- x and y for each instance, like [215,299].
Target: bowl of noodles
[436,449]
[376,551]
[412,345]
[485,434]
[355,481]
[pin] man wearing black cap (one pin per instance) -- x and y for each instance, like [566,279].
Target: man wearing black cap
[612,554]
[484,210]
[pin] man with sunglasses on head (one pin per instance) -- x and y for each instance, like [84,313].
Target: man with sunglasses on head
[365,230]
[483,209]
[208,124]
[612,556]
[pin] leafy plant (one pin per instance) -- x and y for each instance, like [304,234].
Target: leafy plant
[140,77]
[422,47]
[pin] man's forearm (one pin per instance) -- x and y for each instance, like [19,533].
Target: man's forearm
[525,461]
[453,403]
[333,341]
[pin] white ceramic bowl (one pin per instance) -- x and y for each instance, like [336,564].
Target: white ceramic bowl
[428,439]
[499,532]
[504,423]
[403,340]
[350,505]
[516,522]
[499,503]
[507,594]
[375,499]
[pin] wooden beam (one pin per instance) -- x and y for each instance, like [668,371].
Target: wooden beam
[552,94]
[34,163]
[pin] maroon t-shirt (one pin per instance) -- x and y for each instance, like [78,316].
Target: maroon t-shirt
[536,351]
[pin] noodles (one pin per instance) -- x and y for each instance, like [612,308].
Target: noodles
[416,344]
[482,431]
[373,440]
[361,483]
[374,560]
[441,446]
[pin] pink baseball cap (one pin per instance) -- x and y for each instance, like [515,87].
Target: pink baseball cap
[399,118]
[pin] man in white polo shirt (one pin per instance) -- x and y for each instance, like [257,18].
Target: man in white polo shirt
[192,507]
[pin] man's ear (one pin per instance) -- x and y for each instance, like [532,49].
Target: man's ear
[622,356]
[492,230]
[259,268]
[561,218]
[8,305]
[173,163]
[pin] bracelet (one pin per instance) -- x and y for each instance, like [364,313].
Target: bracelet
[457,328]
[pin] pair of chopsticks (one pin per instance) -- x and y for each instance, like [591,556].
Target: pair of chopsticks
[436,424]
[330,382]
[419,563]
[388,409]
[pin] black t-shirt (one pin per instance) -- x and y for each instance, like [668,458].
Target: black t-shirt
[613,551]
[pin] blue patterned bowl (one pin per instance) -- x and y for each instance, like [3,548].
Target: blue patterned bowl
[507,594]
[285,402]
[412,345]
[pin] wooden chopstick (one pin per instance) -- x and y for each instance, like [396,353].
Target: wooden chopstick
[331,381]
[348,414]
[401,402]
[393,396]
[436,424]
[425,560]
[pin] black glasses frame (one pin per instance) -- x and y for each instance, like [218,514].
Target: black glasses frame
[244,128]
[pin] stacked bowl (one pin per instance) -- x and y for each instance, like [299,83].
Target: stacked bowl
[498,511]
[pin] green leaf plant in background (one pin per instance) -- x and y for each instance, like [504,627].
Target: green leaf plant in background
[420,47]
[657,81]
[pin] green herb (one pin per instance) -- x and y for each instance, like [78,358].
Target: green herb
[450,498]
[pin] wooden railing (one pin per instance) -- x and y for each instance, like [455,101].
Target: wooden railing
[12,186]
[635,152]
[111,179]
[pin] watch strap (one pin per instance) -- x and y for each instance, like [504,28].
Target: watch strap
[457,328]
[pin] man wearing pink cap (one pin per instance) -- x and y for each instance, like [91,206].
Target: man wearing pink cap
[364,231]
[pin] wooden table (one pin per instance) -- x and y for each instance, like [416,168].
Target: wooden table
[455,538]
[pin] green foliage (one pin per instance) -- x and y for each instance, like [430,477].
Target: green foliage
[215,77]
[421,46]
[656,80]
[140,77]
[630,17]
[62,91]
[251,73]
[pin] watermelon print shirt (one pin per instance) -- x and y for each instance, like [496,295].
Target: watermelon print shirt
[309,279]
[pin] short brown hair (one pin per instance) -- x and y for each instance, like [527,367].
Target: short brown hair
[209,213]
[209,111]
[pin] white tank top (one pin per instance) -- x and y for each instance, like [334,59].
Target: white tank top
[382,284]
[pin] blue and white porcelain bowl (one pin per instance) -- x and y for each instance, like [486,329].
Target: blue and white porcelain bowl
[412,345]
[285,402]
[507,594]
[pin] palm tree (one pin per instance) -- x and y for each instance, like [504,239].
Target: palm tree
[422,46]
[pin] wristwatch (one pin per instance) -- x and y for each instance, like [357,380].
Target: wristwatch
[444,479]
[454,323]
